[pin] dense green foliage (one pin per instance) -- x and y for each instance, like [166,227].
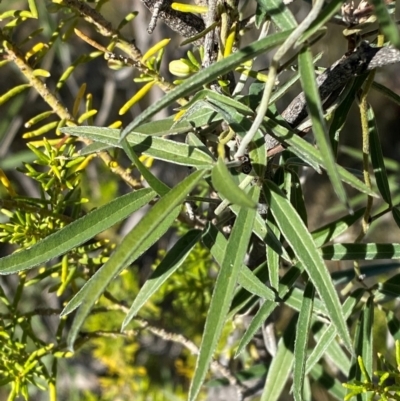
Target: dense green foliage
[149,259]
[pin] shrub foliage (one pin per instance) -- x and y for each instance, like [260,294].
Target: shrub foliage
[224,250]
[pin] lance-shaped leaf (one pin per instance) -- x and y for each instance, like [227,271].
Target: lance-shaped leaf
[281,365]
[224,184]
[171,262]
[223,292]
[154,224]
[159,148]
[361,251]
[303,246]
[314,106]
[76,233]
[301,343]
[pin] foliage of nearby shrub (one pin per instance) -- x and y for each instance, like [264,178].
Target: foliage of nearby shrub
[178,299]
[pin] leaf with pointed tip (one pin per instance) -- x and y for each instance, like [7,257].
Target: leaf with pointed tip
[332,230]
[224,183]
[154,183]
[76,233]
[303,246]
[301,343]
[154,224]
[159,148]
[324,339]
[314,106]
[171,262]
[281,364]
[377,160]
[268,307]
[223,292]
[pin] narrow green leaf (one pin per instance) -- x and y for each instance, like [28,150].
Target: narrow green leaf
[340,115]
[281,364]
[332,230]
[217,243]
[154,183]
[154,224]
[268,307]
[329,334]
[208,75]
[296,196]
[159,148]
[301,343]
[171,262]
[219,98]
[303,246]
[386,23]
[224,184]
[314,106]
[361,251]
[258,154]
[279,13]
[364,346]
[265,232]
[377,158]
[310,154]
[77,233]
[272,255]
[223,292]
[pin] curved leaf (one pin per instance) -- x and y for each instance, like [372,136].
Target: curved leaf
[224,183]
[154,224]
[76,233]
[159,148]
[171,262]
[303,246]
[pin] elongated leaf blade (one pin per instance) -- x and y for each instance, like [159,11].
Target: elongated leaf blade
[154,183]
[208,75]
[77,233]
[377,160]
[145,233]
[310,155]
[171,262]
[224,184]
[301,343]
[361,251]
[332,230]
[159,148]
[281,365]
[329,334]
[279,13]
[267,308]
[300,240]
[223,292]
[314,106]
